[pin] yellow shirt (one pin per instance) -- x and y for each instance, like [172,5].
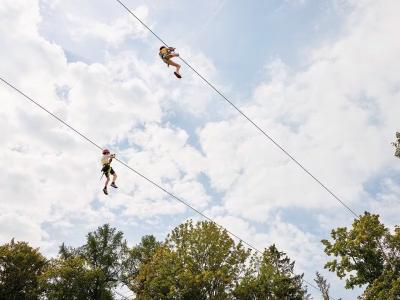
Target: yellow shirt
[105,159]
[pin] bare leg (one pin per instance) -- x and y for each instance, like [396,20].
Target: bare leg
[172,63]
[114,177]
[107,181]
[177,66]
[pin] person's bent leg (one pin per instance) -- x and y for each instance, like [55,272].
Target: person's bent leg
[114,178]
[177,66]
[105,185]
[107,181]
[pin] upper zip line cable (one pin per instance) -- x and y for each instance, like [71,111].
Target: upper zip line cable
[140,174]
[263,132]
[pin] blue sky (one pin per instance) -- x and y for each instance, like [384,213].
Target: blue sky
[319,76]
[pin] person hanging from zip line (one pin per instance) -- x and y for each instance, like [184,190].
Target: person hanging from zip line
[166,53]
[397,145]
[107,169]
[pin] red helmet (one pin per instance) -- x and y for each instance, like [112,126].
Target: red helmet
[106,151]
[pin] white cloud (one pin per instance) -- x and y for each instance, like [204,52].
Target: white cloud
[301,247]
[21,229]
[53,175]
[337,117]
[113,33]
[295,2]
[386,202]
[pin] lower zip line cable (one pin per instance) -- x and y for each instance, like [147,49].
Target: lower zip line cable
[140,174]
[263,132]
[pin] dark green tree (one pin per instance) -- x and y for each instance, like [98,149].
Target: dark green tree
[105,250]
[367,254]
[99,266]
[20,268]
[271,277]
[69,278]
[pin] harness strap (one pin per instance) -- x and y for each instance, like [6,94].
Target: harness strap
[105,168]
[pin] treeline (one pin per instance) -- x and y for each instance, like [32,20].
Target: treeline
[198,261]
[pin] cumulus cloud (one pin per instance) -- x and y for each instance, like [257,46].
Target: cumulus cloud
[21,228]
[113,33]
[336,117]
[53,174]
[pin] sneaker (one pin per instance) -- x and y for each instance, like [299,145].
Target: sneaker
[113,185]
[105,191]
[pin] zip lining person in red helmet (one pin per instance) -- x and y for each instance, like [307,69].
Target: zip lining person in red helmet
[107,169]
[166,53]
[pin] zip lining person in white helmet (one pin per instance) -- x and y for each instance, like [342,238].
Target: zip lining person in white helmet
[107,169]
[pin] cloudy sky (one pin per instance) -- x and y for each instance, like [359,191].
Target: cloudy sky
[320,76]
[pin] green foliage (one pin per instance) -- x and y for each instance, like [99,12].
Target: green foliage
[104,252]
[105,249]
[70,278]
[160,277]
[90,271]
[211,260]
[20,267]
[387,286]
[200,261]
[137,256]
[196,261]
[367,254]
[271,277]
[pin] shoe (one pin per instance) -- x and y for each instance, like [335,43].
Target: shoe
[105,191]
[113,185]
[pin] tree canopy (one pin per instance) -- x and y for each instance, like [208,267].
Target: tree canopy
[20,269]
[91,271]
[367,254]
[199,261]
[271,276]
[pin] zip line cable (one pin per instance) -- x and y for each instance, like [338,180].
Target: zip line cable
[138,173]
[263,132]
[126,165]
